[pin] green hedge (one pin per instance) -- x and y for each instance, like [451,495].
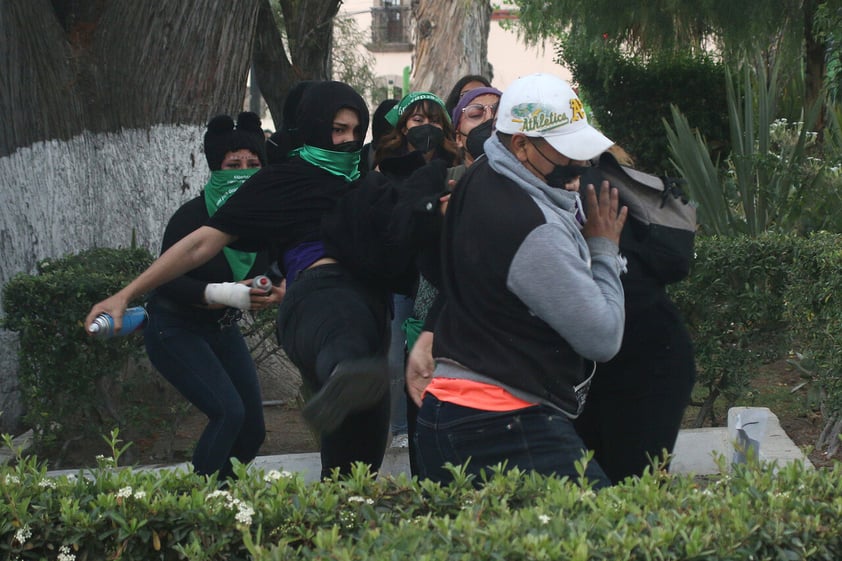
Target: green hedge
[631,97]
[67,378]
[753,513]
[746,301]
[753,300]
[813,310]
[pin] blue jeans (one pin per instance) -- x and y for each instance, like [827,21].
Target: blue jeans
[536,439]
[212,367]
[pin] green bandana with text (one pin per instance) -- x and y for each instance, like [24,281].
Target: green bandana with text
[224,183]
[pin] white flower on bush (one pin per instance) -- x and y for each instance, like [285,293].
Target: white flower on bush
[23,534]
[124,493]
[64,554]
[105,462]
[274,475]
[620,505]
[47,484]
[140,495]
[358,499]
[543,519]
[347,518]
[244,513]
[221,494]
[12,479]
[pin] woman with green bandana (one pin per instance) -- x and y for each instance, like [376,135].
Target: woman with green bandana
[422,130]
[192,337]
[331,323]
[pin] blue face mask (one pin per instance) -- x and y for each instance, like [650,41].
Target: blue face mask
[341,163]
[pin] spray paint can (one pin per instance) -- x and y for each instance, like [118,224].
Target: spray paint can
[263,283]
[134,319]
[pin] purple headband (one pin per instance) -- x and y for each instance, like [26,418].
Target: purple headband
[466,100]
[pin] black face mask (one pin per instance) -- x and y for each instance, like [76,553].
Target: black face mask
[476,138]
[425,137]
[560,175]
[350,146]
[564,174]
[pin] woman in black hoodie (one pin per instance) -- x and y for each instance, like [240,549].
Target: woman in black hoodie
[331,324]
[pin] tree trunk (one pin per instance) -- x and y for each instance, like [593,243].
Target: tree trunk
[171,62]
[104,104]
[309,27]
[107,66]
[111,117]
[814,64]
[451,41]
[37,101]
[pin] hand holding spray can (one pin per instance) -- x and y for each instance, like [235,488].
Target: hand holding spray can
[134,319]
[263,283]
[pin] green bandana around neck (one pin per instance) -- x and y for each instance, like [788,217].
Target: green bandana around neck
[343,164]
[224,183]
[395,112]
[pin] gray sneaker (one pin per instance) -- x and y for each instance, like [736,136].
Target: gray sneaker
[400,441]
[355,385]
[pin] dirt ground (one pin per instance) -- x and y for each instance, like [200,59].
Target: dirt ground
[170,430]
[781,387]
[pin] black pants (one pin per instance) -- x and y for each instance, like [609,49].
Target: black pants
[637,400]
[326,317]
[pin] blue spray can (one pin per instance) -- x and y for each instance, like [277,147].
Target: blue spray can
[134,319]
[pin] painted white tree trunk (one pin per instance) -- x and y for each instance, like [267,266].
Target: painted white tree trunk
[61,197]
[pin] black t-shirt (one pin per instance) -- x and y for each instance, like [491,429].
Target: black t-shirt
[280,206]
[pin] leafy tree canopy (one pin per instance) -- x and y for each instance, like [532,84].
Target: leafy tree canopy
[647,27]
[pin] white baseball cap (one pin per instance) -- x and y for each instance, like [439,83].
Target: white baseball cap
[545,106]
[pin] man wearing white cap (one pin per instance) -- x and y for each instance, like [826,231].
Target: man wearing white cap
[532,291]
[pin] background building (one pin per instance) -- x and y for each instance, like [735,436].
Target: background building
[387,27]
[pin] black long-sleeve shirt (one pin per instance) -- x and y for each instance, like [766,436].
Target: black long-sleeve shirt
[188,290]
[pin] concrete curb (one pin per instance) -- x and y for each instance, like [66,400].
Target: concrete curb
[695,450]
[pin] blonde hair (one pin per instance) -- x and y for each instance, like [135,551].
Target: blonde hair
[623,157]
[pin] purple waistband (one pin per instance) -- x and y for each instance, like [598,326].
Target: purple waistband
[300,257]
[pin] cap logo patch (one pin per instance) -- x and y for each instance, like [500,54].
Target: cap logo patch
[538,118]
[577,108]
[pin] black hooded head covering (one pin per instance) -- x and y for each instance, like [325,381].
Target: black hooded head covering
[318,107]
[288,137]
[379,125]
[223,136]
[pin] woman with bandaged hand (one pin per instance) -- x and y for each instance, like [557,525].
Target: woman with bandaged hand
[192,337]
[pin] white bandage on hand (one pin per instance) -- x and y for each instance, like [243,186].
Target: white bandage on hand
[228,294]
